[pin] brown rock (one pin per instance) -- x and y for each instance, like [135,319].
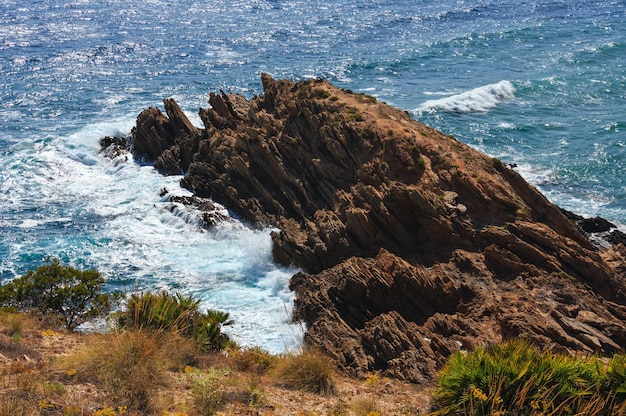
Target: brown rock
[169,141]
[415,245]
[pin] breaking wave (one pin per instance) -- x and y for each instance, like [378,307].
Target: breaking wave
[478,100]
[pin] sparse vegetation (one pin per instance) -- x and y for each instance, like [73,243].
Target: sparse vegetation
[320,93]
[161,364]
[353,114]
[148,372]
[151,366]
[252,359]
[366,406]
[497,163]
[208,391]
[364,98]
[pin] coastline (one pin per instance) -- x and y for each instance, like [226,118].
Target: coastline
[399,227]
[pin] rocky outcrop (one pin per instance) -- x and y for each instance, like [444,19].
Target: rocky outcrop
[170,141]
[413,245]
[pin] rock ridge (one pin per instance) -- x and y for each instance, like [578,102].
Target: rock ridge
[412,244]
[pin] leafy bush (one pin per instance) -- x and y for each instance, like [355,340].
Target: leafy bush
[514,377]
[309,371]
[176,313]
[74,295]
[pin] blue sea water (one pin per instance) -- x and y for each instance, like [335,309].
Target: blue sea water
[538,83]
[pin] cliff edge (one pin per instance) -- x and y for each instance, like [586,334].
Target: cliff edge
[413,244]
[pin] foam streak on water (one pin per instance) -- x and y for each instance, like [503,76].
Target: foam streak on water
[540,83]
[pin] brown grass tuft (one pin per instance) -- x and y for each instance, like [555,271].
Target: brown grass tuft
[253,359]
[129,366]
[309,371]
[365,406]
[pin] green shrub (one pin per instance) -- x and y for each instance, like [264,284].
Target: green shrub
[308,371]
[514,377]
[176,313]
[364,98]
[320,93]
[74,295]
[613,377]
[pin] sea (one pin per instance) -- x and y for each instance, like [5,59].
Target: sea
[540,84]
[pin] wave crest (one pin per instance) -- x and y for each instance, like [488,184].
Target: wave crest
[478,100]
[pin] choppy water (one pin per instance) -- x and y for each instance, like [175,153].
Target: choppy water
[539,83]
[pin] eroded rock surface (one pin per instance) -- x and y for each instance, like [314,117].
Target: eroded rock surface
[413,244]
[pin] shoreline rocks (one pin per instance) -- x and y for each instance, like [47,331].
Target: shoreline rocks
[413,244]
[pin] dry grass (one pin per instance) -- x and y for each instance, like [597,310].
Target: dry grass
[309,371]
[131,366]
[366,406]
[139,373]
[252,360]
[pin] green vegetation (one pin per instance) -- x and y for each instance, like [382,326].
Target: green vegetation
[165,357]
[354,115]
[55,289]
[320,93]
[208,390]
[364,98]
[176,313]
[515,378]
[497,163]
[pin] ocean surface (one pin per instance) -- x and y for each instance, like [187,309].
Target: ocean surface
[538,83]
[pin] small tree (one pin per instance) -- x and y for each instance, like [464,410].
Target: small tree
[75,295]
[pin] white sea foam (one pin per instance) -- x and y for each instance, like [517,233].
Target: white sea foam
[506,126]
[139,238]
[535,175]
[585,202]
[478,100]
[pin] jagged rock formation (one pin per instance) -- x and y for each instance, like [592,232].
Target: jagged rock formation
[414,245]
